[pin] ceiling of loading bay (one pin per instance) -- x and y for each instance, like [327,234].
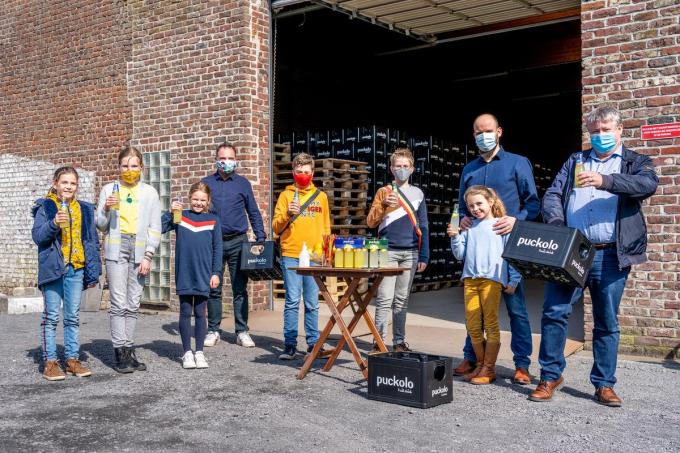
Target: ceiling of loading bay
[435,20]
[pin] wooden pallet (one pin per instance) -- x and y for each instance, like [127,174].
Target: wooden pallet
[282,153]
[349,230]
[356,219]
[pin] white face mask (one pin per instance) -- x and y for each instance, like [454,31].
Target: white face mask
[402,174]
[486,141]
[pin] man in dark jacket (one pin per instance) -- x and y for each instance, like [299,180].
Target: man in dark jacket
[234,203]
[511,176]
[598,191]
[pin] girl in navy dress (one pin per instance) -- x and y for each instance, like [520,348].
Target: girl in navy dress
[198,265]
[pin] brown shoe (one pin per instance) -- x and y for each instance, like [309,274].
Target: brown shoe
[401,347]
[488,372]
[479,353]
[545,389]
[76,368]
[53,372]
[522,376]
[607,396]
[464,368]
[375,349]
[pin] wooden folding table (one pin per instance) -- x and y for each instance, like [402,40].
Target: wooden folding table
[351,298]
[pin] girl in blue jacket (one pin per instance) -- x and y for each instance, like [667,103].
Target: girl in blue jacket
[68,261]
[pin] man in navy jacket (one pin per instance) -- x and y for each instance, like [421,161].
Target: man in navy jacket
[511,176]
[234,203]
[604,201]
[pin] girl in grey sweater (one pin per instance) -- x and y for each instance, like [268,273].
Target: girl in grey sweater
[129,214]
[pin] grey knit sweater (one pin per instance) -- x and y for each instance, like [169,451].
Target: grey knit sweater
[148,235]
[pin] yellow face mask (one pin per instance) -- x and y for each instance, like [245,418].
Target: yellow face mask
[130,176]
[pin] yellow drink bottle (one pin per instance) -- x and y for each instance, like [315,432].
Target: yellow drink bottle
[116,193]
[177,213]
[578,169]
[63,208]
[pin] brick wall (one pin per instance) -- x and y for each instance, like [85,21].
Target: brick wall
[24,180]
[63,100]
[79,79]
[198,76]
[631,60]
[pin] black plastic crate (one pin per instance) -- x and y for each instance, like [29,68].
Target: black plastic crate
[300,142]
[550,252]
[318,145]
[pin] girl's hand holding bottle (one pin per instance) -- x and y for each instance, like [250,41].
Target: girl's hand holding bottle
[61,218]
[111,200]
[451,230]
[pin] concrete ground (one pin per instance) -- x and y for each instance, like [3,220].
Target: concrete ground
[248,400]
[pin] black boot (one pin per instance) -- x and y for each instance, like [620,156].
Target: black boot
[123,364]
[136,364]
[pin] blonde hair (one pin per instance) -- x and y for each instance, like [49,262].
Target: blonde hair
[404,153]
[497,206]
[201,187]
[303,159]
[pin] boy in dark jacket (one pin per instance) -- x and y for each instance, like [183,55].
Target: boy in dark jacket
[602,198]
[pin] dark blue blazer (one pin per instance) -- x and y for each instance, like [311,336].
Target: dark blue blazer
[47,237]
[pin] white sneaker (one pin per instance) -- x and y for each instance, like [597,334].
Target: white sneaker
[243,339]
[200,360]
[211,339]
[188,361]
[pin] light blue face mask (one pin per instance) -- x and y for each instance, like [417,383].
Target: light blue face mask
[402,174]
[603,142]
[227,166]
[486,141]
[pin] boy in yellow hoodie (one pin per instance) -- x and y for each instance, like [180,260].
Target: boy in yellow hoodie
[308,227]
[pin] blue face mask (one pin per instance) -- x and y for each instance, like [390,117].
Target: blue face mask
[486,141]
[227,166]
[603,142]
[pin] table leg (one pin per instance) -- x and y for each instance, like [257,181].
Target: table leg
[358,314]
[342,304]
[346,334]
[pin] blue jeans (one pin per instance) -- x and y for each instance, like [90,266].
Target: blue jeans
[295,286]
[520,344]
[606,283]
[67,289]
[231,256]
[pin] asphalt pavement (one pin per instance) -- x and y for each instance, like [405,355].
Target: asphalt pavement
[248,400]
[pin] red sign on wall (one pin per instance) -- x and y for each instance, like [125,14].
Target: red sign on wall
[660,131]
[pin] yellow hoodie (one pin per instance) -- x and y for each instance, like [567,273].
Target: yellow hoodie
[309,227]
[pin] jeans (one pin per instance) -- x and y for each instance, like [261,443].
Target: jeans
[482,297]
[393,295]
[125,292]
[231,256]
[67,289]
[295,286]
[520,344]
[606,283]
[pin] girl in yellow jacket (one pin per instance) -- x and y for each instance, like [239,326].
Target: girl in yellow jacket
[309,227]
